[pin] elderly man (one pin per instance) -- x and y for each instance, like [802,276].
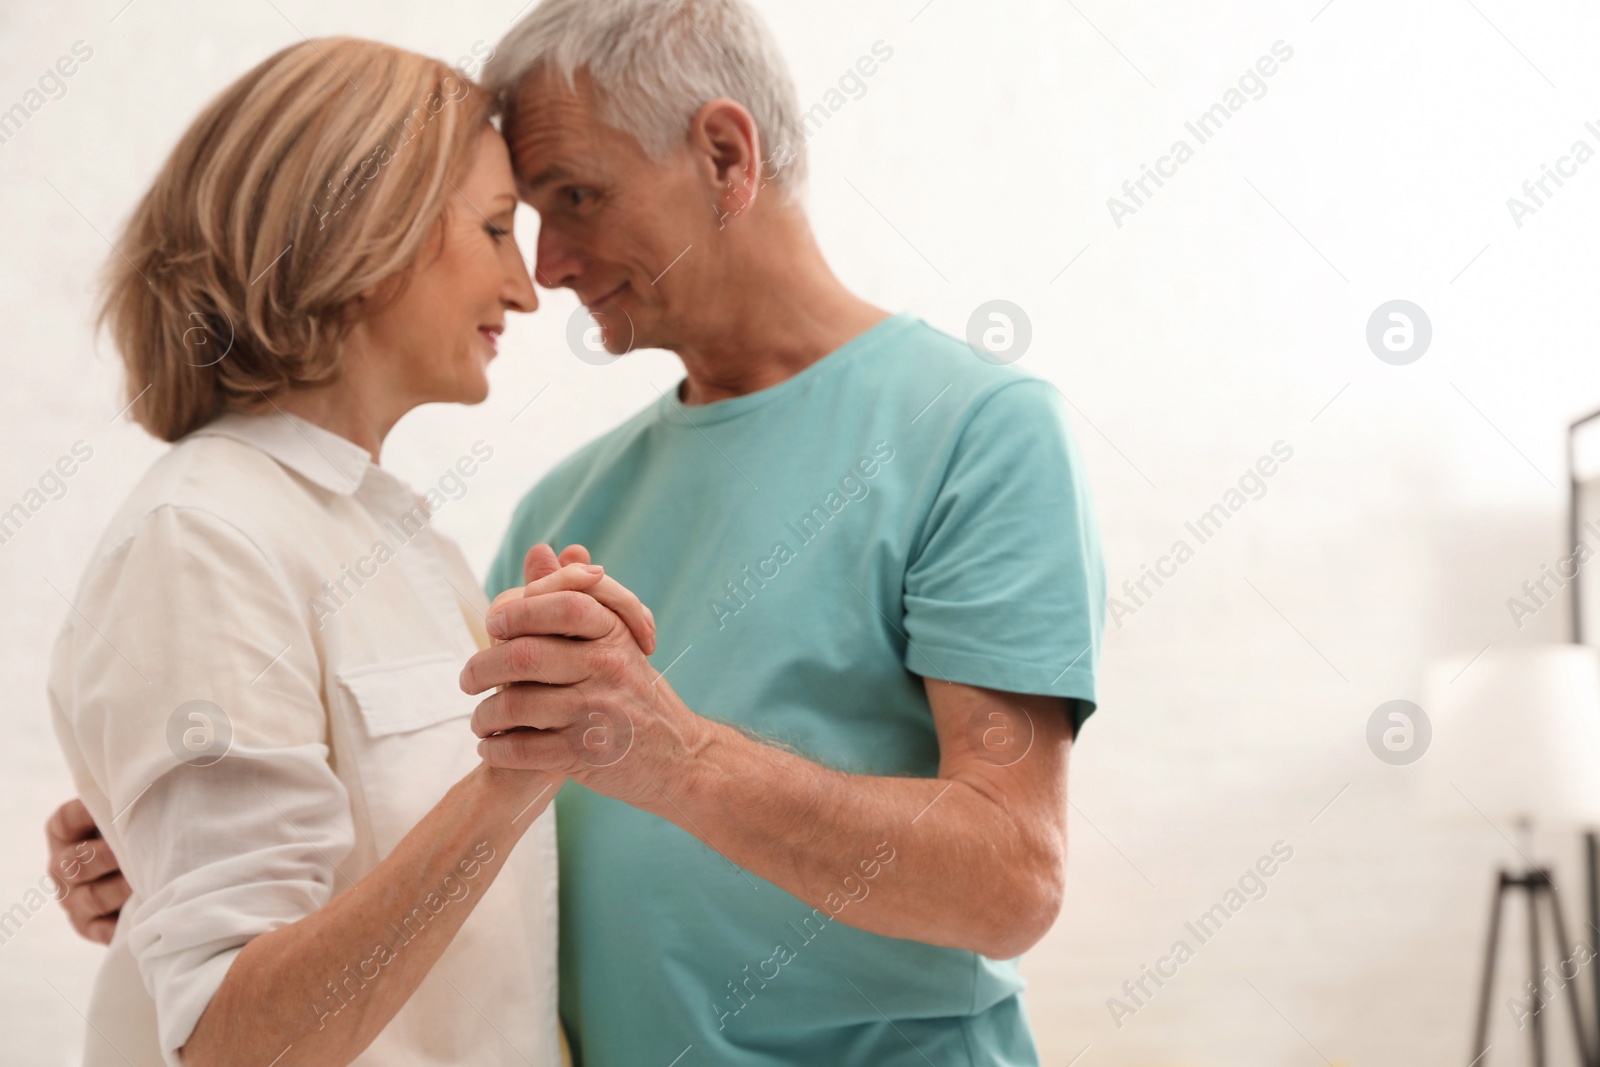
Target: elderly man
[822,822]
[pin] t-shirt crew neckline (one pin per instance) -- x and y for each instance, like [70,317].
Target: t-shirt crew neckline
[690,417]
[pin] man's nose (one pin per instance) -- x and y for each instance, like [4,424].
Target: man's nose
[558,264]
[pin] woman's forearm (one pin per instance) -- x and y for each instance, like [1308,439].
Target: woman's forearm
[320,990]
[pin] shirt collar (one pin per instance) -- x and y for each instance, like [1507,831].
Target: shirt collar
[319,456]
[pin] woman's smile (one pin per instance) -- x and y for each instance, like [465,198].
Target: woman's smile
[491,334]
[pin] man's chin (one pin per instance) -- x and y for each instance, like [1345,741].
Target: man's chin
[619,334]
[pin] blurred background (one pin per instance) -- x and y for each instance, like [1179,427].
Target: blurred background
[1193,325]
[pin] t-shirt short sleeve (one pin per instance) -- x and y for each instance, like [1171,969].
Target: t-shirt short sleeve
[1005,587]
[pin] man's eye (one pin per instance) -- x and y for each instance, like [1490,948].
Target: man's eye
[577,197]
[496,232]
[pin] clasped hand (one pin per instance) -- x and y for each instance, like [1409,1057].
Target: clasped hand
[573,693]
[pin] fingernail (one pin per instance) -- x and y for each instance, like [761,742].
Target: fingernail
[496,625]
[593,569]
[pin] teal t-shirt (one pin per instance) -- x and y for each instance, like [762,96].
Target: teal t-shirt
[898,510]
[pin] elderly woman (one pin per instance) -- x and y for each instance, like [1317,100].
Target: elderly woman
[257,689]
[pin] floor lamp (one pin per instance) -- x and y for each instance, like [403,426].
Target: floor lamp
[1516,742]
[1583,523]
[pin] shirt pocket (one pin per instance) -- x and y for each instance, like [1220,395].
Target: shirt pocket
[414,738]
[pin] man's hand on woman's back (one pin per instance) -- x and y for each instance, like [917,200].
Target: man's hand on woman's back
[89,884]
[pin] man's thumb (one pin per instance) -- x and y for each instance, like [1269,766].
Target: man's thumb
[541,561]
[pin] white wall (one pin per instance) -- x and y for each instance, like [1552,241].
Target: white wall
[1191,338]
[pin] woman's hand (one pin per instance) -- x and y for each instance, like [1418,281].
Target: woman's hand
[571,575]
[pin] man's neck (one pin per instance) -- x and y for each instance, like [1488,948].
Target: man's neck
[785,312]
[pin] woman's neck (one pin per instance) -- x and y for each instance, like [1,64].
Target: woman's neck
[344,408]
[336,416]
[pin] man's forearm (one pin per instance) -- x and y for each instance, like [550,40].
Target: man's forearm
[289,995]
[961,871]
[978,852]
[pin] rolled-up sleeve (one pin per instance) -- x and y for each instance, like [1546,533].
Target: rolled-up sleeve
[197,704]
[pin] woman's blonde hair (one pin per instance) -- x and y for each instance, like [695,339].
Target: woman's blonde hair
[309,181]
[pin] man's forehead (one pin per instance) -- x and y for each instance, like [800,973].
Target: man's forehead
[552,127]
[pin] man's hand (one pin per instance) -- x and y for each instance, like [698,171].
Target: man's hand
[591,708]
[89,884]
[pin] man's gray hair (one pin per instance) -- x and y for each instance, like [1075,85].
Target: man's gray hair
[655,63]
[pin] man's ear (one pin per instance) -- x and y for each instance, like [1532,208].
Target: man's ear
[724,134]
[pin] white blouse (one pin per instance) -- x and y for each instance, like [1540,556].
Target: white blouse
[257,692]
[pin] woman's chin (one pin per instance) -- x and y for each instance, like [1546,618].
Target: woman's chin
[469,388]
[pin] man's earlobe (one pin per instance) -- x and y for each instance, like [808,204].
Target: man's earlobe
[734,201]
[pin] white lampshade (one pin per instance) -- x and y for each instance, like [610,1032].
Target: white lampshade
[1516,735]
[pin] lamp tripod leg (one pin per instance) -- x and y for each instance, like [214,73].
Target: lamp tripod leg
[1591,847]
[1480,1035]
[1535,965]
[1564,946]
